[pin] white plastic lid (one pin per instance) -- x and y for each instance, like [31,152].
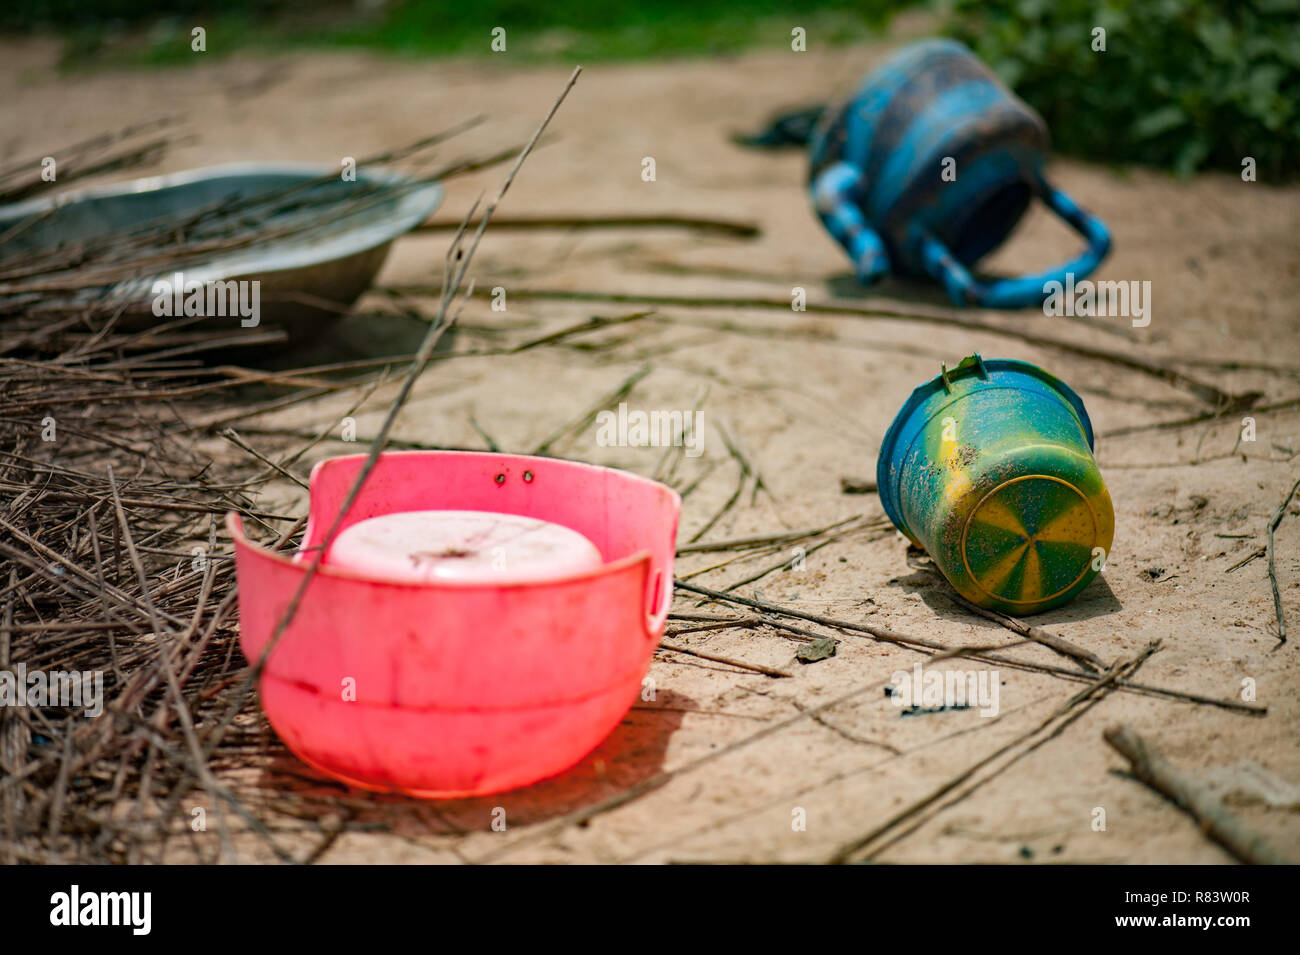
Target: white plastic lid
[468,546]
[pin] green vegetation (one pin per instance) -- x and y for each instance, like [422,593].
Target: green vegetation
[605,29]
[152,32]
[1182,84]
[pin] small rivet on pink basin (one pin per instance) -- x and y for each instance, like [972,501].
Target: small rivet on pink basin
[528,477]
[501,479]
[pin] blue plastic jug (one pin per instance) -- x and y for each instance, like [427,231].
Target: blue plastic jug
[882,185]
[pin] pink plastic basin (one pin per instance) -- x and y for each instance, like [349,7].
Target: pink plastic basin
[456,689]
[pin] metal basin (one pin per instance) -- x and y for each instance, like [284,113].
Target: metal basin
[330,237]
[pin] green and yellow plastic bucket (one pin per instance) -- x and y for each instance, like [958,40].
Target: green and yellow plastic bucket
[989,467]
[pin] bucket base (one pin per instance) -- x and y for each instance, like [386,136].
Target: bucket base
[1031,542]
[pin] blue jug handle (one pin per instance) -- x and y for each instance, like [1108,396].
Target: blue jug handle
[1027,290]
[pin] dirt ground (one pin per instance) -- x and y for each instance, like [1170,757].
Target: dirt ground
[807,397]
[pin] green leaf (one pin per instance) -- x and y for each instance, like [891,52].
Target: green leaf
[1190,156]
[1159,121]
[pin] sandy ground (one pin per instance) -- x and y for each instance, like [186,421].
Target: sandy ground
[808,397]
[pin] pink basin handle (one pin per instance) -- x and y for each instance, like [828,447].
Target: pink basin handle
[657,617]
